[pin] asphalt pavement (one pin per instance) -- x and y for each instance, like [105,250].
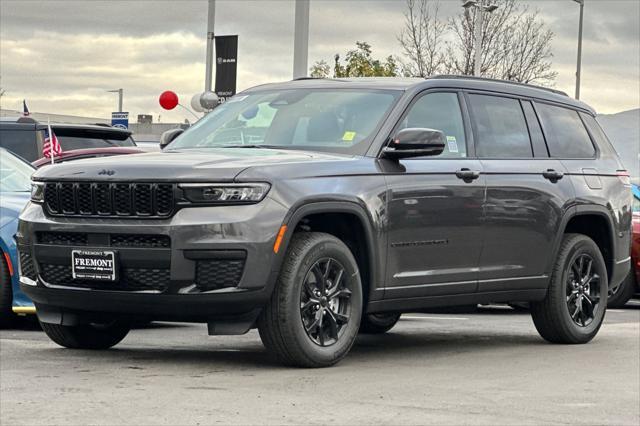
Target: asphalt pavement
[484,367]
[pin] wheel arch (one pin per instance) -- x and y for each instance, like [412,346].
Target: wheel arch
[307,215]
[595,222]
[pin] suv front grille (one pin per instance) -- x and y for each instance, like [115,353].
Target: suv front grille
[130,279]
[109,199]
[219,273]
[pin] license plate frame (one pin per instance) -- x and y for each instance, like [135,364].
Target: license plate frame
[95,265]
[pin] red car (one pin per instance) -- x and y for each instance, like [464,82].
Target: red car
[77,154]
[625,291]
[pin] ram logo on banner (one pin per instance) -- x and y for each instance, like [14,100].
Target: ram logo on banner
[226,66]
[120,120]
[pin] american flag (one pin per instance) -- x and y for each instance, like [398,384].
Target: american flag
[51,146]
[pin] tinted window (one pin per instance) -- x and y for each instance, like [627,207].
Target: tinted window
[440,111]
[20,142]
[566,135]
[501,128]
[596,131]
[69,143]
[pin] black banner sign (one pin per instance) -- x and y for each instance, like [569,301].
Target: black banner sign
[226,66]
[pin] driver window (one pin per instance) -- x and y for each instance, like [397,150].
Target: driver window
[440,111]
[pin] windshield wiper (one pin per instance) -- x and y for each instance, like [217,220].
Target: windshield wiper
[253,146]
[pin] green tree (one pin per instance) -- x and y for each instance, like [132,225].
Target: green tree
[358,62]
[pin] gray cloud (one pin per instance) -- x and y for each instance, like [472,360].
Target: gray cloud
[63,55]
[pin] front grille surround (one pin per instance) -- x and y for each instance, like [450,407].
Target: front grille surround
[97,199]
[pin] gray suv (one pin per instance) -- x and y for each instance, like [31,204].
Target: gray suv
[318,209]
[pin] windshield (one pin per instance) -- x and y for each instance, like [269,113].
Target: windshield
[15,174]
[340,120]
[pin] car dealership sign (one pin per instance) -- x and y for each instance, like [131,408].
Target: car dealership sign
[120,120]
[226,66]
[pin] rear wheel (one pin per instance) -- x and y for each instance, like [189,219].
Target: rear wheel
[6,294]
[378,323]
[87,336]
[620,295]
[314,313]
[576,301]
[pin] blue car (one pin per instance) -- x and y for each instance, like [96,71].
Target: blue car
[15,187]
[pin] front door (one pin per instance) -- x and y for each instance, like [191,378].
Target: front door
[434,208]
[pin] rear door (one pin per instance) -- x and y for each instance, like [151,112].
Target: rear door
[527,193]
[434,207]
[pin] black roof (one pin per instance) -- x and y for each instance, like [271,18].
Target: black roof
[442,81]
[30,123]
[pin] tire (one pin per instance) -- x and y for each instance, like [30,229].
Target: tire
[620,295]
[378,323]
[6,294]
[567,292]
[296,325]
[87,336]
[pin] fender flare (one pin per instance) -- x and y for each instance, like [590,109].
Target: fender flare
[583,210]
[307,207]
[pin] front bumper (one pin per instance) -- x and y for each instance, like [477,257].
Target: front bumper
[213,262]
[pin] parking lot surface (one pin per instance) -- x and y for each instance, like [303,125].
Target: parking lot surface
[486,367]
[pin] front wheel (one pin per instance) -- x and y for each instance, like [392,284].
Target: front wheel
[576,301]
[87,336]
[6,294]
[314,313]
[620,295]
[378,323]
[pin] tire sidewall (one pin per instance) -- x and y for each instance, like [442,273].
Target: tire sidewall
[324,248]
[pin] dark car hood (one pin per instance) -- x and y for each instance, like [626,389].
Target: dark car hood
[220,165]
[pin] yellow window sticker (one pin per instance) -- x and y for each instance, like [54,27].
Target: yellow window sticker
[348,136]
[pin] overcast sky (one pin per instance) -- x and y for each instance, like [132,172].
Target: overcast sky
[62,56]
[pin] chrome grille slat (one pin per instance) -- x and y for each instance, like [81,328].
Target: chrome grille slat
[87,199]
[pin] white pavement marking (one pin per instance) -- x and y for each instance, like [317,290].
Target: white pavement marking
[435,318]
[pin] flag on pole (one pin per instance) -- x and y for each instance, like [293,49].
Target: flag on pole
[25,110]
[51,146]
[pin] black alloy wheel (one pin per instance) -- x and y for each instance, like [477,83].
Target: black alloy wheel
[583,290]
[325,303]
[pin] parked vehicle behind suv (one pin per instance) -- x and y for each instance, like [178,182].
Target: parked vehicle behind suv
[315,209]
[24,137]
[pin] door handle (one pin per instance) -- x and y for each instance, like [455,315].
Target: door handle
[467,174]
[552,174]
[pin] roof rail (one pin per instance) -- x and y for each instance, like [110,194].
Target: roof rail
[497,80]
[103,124]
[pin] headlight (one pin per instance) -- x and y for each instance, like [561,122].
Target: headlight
[37,192]
[231,193]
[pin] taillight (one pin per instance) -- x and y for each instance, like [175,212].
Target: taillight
[624,177]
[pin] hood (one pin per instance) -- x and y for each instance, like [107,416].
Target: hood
[11,204]
[218,164]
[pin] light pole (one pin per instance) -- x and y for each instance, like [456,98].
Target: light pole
[301,39]
[579,65]
[480,9]
[211,18]
[120,93]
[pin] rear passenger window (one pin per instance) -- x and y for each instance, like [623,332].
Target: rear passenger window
[596,131]
[566,135]
[440,111]
[501,128]
[20,142]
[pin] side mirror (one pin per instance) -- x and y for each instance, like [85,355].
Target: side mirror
[415,142]
[167,137]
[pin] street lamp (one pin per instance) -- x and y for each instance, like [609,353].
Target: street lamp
[480,9]
[120,93]
[579,65]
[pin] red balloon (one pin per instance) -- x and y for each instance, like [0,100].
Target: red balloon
[168,100]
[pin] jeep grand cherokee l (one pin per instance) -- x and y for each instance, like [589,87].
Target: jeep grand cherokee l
[315,209]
